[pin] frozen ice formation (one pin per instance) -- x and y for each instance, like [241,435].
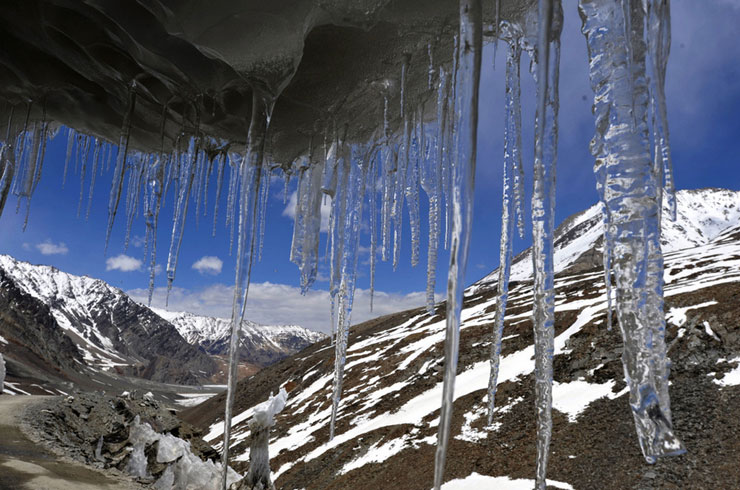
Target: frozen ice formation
[185,470]
[167,106]
[263,419]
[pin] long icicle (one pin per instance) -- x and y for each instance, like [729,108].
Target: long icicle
[250,174]
[435,189]
[632,195]
[466,127]
[512,160]
[355,165]
[543,217]
[659,45]
[7,160]
[120,170]
[372,185]
[70,145]
[93,175]
[185,178]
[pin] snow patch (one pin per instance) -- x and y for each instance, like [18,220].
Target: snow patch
[474,481]
[731,378]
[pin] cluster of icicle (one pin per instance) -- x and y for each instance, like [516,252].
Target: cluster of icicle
[435,150]
[628,43]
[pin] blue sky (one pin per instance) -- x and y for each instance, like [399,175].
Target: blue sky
[703,91]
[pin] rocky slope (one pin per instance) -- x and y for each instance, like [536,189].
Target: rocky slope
[109,330]
[386,431]
[261,345]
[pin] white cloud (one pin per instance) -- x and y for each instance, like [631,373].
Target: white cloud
[50,248]
[122,263]
[279,304]
[138,241]
[325,209]
[209,265]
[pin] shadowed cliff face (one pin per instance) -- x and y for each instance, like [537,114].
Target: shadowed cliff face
[193,65]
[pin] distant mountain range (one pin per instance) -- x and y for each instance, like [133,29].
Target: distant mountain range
[389,413]
[260,344]
[62,324]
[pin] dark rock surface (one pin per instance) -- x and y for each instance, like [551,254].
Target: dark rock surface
[74,425]
[199,61]
[34,336]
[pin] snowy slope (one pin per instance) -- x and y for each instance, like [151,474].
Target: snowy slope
[701,215]
[386,430]
[261,344]
[109,329]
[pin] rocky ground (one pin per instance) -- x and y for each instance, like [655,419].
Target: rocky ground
[93,429]
[27,464]
[393,368]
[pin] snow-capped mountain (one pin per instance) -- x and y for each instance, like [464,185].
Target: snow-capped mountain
[389,413]
[260,344]
[701,215]
[110,330]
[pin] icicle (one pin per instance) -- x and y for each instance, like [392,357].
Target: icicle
[546,70]
[372,185]
[443,152]
[264,197]
[93,174]
[632,197]
[220,163]
[512,155]
[70,145]
[207,182]
[120,170]
[659,45]
[307,225]
[450,144]
[432,185]
[339,213]
[83,168]
[389,184]
[412,194]
[286,181]
[235,162]
[355,169]
[250,173]
[7,160]
[155,184]
[137,164]
[186,175]
[34,163]
[466,125]
[29,166]
[401,167]
[200,177]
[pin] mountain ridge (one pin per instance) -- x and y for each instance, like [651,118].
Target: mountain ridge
[260,344]
[697,222]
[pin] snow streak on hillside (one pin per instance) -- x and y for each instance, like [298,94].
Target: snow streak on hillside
[701,215]
[402,352]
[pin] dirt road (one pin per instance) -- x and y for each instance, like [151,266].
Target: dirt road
[27,465]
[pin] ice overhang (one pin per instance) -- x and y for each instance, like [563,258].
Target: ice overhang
[194,65]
